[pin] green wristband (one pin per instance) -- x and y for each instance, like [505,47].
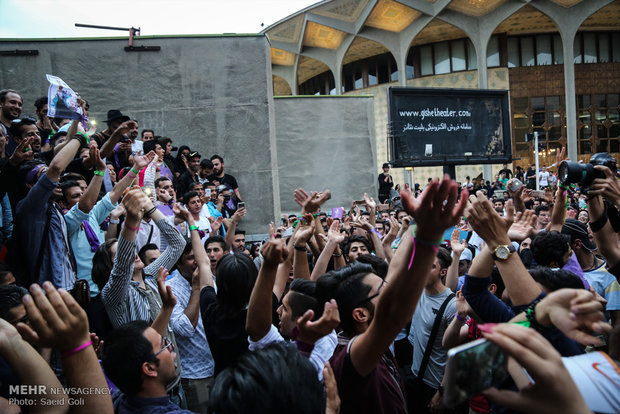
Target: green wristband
[99,172]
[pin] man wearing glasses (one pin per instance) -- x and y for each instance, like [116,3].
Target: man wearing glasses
[143,374]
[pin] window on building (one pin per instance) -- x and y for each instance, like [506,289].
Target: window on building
[598,123]
[371,71]
[493,52]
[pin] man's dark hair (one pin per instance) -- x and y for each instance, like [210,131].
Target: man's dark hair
[237,231]
[347,287]
[160,179]
[379,265]
[144,249]
[550,246]
[216,239]
[542,207]
[213,157]
[353,239]
[5,92]
[5,269]
[444,257]
[56,137]
[205,163]
[10,297]
[102,263]
[496,278]
[275,379]
[126,349]
[66,185]
[40,103]
[301,297]
[553,280]
[149,146]
[145,131]
[236,275]
[16,127]
[188,196]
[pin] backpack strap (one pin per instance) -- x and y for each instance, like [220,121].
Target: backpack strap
[433,336]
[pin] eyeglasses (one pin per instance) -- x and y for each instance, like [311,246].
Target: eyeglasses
[165,344]
[371,297]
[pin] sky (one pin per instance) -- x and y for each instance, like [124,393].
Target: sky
[56,18]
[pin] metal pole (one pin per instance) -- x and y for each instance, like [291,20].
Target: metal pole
[536,154]
[94,26]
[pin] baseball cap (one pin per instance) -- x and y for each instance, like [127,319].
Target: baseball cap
[577,230]
[466,255]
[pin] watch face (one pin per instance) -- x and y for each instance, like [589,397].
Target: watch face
[502,252]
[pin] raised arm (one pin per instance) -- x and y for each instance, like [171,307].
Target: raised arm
[31,369]
[437,208]
[300,240]
[202,272]
[389,238]
[168,300]
[230,231]
[89,198]
[56,320]
[493,229]
[66,155]
[458,246]
[108,147]
[120,187]
[332,249]
[604,235]
[258,320]
[176,242]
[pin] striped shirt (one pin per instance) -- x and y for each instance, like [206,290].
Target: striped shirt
[123,297]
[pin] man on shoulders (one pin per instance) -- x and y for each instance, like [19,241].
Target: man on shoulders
[10,109]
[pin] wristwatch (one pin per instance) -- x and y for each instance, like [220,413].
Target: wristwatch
[503,251]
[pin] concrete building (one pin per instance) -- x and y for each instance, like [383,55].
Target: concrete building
[559,59]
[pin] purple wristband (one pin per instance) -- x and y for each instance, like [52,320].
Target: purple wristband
[304,347]
[459,318]
[76,350]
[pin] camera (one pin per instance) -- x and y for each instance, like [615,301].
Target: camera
[583,174]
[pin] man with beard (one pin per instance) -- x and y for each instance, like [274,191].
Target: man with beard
[221,178]
[10,109]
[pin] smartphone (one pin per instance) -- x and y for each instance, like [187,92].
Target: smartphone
[360,202]
[383,207]
[241,205]
[337,212]
[515,185]
[472,368]
[208,192]
[537,193]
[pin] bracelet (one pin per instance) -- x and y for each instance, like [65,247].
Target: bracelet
[76,350]
[112,221]
[414,240]
[133,171]
[301,249]
[530,315]
[193,228]
[337,255]
[459,318]
[151,211]
[376,232]
[83,138]
[99,172]
[600,223]
[132,228]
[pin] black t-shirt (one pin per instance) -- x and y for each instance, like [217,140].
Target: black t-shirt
[228,180]
[226,336]
[384,187]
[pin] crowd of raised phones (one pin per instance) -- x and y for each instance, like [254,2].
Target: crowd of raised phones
[127,281]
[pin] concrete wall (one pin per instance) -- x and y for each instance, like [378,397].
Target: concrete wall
[326,142]
[212,93]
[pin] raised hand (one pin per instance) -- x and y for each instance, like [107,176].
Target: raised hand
[436,209]
[56,320]
[126,126]
[118,211]
[305,229]
[485,221]
[370,202]
[274,252]
[135,202]
[23,152]
[462,307]
[523,227]
[216,223]
[181,212]
[94,158]
[310,203]
[576,312]
[456,243]
[141,161]
[552,391]
[239,214]
[168,300]
[608,187]
[310,332]
[333,234]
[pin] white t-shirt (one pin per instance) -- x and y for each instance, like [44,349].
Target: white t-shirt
[543,178]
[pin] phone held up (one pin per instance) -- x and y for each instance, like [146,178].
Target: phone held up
[472,368]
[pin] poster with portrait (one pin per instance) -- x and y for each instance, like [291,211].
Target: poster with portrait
[62,100]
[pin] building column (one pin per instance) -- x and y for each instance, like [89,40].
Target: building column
[568,41]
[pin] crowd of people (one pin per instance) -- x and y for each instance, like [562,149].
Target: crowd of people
[126,281]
